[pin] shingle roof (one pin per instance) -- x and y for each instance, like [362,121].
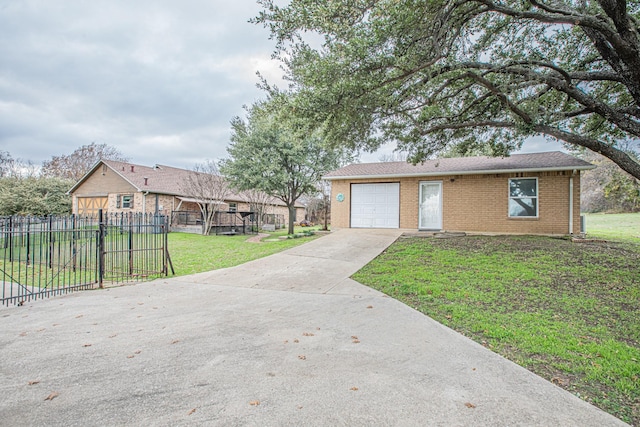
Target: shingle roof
[549,161]
[159,179]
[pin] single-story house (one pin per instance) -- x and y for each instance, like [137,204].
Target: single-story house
[535,193]
[117,187]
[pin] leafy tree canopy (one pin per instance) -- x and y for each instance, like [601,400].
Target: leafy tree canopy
[75,165]
[270,154]
[480,74]
[34,196]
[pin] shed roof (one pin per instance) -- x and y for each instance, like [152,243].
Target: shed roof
[533,162]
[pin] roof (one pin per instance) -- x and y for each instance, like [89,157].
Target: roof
[533,162]
[158,179]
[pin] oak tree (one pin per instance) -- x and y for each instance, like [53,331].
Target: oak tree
[478,74]
[267,153]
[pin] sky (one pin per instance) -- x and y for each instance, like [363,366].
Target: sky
[160,80]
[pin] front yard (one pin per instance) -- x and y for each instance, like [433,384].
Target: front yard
[192,253]
[569,312]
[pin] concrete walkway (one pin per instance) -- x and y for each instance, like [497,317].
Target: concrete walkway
[286,340]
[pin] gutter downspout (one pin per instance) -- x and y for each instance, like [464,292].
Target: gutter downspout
[571,202]
[144,202]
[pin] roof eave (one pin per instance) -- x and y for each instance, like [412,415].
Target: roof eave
[464,172]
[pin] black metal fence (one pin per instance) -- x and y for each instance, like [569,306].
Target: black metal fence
[275,221]
[44,256]
[232,222]
[186,218]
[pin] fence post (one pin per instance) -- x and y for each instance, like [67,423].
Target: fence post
[101,253]
[73,242]
[51,242]
[131,222]
[28,240]
[10,233]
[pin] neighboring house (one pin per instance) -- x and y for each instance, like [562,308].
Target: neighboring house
[124,187]
[524,193]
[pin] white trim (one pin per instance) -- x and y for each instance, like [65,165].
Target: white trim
[537,197]
[440,211]
[463,172]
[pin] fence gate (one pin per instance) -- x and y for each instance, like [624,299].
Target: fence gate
[40,257]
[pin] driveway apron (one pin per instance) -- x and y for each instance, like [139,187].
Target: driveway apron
[286,340]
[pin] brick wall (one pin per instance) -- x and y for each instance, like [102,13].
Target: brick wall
[478,203]
[100,184]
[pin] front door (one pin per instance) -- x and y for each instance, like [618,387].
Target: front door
[430,205]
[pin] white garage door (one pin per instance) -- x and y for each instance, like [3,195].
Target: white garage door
[375,205]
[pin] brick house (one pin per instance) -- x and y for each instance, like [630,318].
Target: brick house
[117,187]
[525,193]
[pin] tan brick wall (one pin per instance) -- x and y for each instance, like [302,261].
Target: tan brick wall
[283,210]
[341,211]
[102,182]
[271,209]
[478,203]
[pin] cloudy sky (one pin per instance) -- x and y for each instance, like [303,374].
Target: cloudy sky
[159,80]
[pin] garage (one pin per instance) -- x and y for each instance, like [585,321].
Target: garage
[90,206]
[375,205]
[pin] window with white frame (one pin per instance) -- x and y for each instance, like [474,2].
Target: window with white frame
[233,207]
[523,197]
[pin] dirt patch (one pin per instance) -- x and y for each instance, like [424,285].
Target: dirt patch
[257,238]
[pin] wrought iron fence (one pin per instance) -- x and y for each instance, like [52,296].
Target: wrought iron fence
[44,256]
[233,222]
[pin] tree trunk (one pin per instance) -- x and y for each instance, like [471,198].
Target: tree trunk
[326,213]
[292,216]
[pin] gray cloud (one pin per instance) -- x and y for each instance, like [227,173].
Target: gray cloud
[159,80]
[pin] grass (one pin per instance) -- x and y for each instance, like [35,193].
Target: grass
[566,311]
[191,253]
[625,227]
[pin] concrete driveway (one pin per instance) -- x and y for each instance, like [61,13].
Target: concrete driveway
[287,340]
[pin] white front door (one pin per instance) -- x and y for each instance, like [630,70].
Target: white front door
[430,205]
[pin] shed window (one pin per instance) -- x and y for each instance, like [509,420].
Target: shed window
[523,197]
[233,207]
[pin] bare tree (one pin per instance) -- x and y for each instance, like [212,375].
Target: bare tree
[325,190]
[75,165]
[16,168]
[260,203]
[6,164]
[210,189]
[396,156]
[607,188]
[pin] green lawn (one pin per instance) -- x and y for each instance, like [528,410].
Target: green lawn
[192,253]
[614,226]
[567,311]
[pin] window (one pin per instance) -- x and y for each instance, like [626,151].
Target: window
[127,202]
[124,201]
[233,207]
[523,197]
